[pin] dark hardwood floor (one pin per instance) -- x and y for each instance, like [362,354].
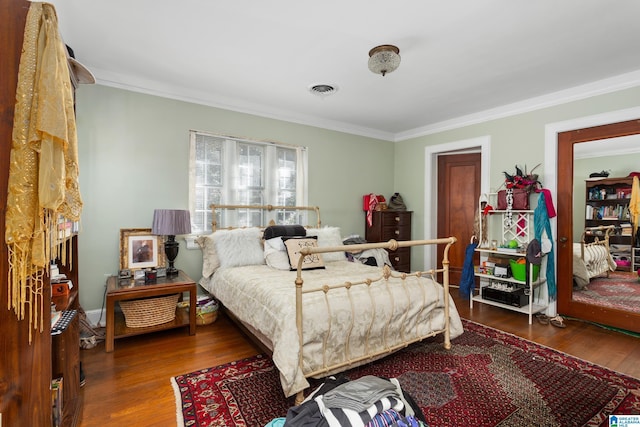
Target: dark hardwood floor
[131,387]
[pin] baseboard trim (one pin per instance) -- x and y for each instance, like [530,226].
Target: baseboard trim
[93,316]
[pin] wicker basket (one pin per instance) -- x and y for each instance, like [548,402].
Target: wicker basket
[145,312]
[206,318]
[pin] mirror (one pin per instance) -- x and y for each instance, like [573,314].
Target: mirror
[587,288]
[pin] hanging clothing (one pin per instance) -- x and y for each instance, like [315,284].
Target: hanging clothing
[467,278]
[43,168]
[551,210]
[543,225]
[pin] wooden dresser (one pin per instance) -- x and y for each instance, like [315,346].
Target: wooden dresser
[387,225]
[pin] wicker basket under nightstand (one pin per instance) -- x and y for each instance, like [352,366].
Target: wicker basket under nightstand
[134,292]
[140,313]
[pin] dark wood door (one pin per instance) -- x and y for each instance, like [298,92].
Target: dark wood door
[458,192]
[566,304]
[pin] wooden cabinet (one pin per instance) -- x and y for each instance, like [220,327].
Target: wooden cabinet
[387,225]
[65,364]
[607,203]
[65,344]
[27,356]
[25,370]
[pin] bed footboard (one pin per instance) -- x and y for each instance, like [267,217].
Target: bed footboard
[386,275]
[596,254]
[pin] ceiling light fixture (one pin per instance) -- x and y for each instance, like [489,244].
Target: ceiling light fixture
[384,59]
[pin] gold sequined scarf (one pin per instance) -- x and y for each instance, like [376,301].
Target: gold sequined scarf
[43,171]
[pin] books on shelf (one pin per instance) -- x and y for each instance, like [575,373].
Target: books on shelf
[607,213]
[55,316]
[56,401]
[66,228]
[64,321]
[588,212]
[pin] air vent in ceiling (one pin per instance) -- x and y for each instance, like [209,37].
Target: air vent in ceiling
[323,89]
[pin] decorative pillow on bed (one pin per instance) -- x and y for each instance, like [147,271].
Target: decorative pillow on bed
[210,261]
[275,254]
[294,244]
[328,236]
[283,230]
[239,247]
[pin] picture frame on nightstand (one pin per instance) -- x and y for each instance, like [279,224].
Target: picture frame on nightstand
[139,249]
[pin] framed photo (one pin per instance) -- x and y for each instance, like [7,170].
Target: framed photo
[140,249]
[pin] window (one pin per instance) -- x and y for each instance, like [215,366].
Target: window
[226,170]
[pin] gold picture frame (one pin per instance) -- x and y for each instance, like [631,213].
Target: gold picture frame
[139,249]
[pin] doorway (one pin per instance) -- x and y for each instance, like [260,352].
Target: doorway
[481,146]
[458,193]
[616,315]
[559,168]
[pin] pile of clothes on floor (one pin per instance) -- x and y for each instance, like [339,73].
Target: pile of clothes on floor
[368,401]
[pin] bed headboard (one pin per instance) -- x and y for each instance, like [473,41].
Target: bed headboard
[267,213]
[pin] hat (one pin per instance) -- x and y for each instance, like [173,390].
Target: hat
[534,252]
[79,71]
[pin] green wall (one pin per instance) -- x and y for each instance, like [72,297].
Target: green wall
[515,140]
[134,157]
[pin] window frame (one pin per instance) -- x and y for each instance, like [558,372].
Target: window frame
[271,191]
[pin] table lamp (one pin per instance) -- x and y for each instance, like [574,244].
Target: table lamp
[171,222]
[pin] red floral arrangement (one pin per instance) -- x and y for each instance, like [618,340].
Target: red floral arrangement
[522,179]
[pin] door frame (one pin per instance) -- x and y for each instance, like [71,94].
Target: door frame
[551,158]
[483,143]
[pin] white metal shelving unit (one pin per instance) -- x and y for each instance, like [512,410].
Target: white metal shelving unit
[504,226]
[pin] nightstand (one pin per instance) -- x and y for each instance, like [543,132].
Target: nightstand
[129,289]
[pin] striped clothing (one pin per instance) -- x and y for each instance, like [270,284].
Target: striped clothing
[340,417]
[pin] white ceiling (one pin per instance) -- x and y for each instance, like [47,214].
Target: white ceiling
[462,60]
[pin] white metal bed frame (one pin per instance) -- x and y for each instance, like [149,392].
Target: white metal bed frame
[385,275]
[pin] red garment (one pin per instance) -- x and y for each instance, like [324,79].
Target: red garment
[373,202]
[551,211]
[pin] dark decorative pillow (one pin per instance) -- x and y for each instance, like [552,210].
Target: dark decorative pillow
[293,246]
[283,230]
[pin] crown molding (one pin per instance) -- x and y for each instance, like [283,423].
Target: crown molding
[620,82]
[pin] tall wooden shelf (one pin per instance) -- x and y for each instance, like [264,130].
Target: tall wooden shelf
[65,347]
[26,366]
[607,203]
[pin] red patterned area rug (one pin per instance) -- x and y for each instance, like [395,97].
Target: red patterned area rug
[488,378]
[620,290]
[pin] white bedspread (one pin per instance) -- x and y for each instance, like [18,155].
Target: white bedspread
[265,298]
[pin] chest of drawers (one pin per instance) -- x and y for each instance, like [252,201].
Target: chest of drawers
[387,225]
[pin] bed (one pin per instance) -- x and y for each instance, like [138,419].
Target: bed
[320,314]
[594,258]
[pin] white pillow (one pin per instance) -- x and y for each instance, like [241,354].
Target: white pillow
[328,236]
[275,254]
[210,261]
[239,247]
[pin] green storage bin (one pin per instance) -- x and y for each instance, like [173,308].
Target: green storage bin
[519,271]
